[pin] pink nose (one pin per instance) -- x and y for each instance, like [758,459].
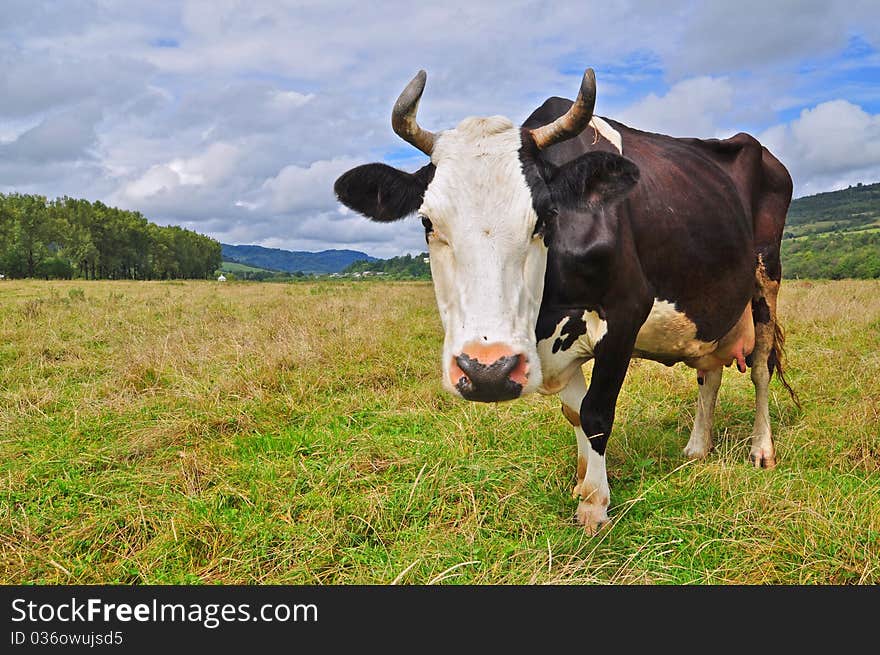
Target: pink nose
[489,372]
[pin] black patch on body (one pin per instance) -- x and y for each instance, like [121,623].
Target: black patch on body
[760,311]
[574,328]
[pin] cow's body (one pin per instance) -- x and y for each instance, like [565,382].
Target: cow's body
[669,253]
[690,225]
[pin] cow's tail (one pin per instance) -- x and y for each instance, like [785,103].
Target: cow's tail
[776,361]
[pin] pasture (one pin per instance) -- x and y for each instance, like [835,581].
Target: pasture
[170,432]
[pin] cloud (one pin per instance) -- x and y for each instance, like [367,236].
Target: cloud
[305,188]
[65,136]
[40,81]
[235,118]
[692,107]
[829,146]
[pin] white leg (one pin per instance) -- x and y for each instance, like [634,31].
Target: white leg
[763,454]
[700,442]
[592,480]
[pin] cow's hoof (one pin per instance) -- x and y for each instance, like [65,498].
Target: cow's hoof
[762,458]
[697,449]
[592,516]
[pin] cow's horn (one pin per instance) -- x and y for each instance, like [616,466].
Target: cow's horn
[574,120]
[403,116]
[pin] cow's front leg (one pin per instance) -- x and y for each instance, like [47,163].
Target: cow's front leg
[592,482]
[596,414]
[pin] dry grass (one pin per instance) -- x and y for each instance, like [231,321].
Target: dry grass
[267,433]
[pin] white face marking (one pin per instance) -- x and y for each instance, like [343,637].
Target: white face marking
[487,265]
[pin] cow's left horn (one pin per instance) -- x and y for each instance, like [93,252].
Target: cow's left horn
[403,116]
[574,120]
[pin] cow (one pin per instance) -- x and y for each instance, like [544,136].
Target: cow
[575,237]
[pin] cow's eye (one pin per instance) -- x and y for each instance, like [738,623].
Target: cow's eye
[427,223]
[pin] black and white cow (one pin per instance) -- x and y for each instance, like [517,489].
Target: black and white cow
[575,237]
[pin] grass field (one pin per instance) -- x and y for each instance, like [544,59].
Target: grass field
[268,433]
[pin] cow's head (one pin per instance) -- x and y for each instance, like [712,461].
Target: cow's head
[487,200]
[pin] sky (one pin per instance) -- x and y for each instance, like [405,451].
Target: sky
[234,118]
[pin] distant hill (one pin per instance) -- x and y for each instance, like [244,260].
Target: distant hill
[857,207]
[291,261]
[834,235]
[235,267]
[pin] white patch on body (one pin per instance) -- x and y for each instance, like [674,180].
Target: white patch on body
[559,367]
[668,332]
[488,267]
[669,335]
[608,132]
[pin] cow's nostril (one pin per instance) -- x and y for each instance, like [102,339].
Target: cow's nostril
[502,378]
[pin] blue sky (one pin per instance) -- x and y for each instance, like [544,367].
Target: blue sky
[234,118]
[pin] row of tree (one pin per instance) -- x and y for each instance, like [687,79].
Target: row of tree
[404,267]
[68,237]
[832,256]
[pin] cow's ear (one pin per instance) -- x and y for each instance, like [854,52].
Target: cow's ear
[596,178]
[381,192]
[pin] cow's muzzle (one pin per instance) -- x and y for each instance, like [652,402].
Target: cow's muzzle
[489,374]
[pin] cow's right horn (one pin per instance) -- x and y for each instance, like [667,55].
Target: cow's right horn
[403,116]
[572,122]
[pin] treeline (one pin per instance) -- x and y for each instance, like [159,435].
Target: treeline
[832,256]
[404,267]
[68,237]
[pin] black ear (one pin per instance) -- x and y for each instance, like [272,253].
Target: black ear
[381,192]
[596,178]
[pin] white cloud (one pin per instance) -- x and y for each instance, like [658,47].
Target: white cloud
[305,188]
[235,118]
[829,146]
[212,167]
[58,137]
[692,107]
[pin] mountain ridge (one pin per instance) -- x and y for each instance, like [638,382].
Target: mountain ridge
[292,261]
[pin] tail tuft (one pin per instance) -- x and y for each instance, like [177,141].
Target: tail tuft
[776,360]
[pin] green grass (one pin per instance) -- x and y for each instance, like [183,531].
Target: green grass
[201,433]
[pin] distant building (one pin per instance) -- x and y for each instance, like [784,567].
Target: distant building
[222,278]
[427,260]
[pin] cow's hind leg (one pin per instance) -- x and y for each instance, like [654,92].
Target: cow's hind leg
[592,480]
[765,356]
[700,443]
